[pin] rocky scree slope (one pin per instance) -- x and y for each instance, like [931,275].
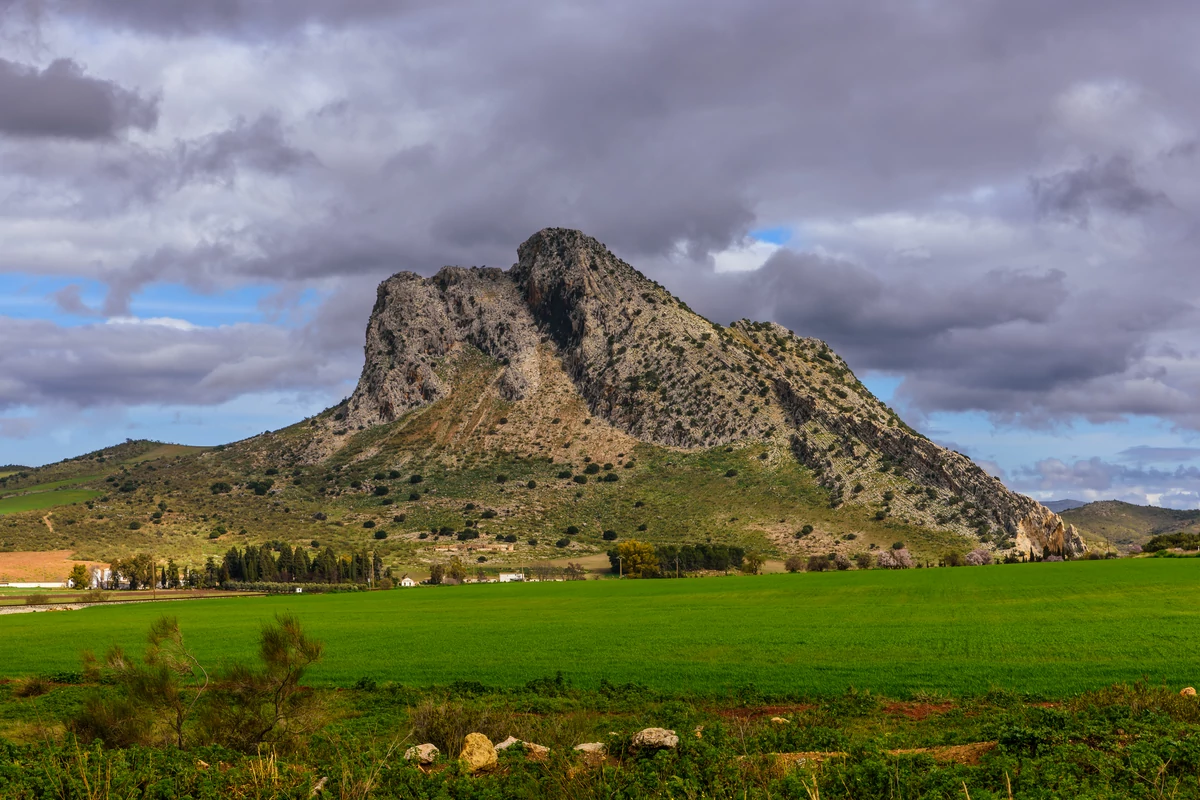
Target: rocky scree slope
[650,367]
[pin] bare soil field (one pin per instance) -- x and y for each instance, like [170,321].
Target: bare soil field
[30,567]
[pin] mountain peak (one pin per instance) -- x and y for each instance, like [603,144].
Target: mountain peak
[572,320]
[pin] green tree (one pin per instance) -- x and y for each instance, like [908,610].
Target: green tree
[752,563]
[79,577]
[637,559]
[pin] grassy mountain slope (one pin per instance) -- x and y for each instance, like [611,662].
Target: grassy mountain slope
[1126,523]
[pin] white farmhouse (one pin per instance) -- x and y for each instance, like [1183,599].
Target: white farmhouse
[511,577]
[406,581]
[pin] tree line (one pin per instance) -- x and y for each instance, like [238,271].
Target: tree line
[273,562]
[642,560]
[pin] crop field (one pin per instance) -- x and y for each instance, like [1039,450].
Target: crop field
[44,500]
[1050,629]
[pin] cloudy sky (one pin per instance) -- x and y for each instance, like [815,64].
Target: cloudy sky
[988,207]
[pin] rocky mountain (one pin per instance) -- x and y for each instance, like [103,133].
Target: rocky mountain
[570,320]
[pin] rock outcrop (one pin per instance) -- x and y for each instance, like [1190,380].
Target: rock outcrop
[653,369]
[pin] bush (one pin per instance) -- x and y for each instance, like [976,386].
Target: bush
[794,564]
[532,541]
[369,523]
[895,559]
[320,516]
[415,479]
[488,514]
[610,477]
[37,599]
[563,542]
[731,473]
[564,474]
[501,478]
[414,496]
[531,485]
[220,487]
[399,518]
[609,536]
[591,469]
[380,491]
[897,545]
[979,557]
[393,474]
[841,561]
[135,525]
[381,534]
[862,560]
[572,530]
[580,479]
[817,564]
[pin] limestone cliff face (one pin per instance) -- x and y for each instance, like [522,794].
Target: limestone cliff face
[648,365]
[417,322]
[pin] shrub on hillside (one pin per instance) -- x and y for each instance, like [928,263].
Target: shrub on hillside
[862,560]
[610,535]
[895,559]
[220,487]
[794,564]
[979,557]
[841,561]
[564,475]
[817,564]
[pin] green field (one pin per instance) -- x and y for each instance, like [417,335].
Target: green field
[1051,629]
[40,501]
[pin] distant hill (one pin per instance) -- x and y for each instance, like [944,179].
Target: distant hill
[1059,506]
[544,412]
[1126,523]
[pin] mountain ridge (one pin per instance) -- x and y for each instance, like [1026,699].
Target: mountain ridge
[647,365]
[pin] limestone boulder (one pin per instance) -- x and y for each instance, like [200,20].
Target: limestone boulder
[655,739]
[535,751]
[478,753]
[422,753]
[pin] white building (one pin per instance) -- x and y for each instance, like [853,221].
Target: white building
[511,577]
[406,581]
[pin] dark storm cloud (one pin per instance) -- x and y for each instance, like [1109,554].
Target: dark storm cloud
[63,101]
[1073,194]
[241,17]
[330,144]
[1144,453]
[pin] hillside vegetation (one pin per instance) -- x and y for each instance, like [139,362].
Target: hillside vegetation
[1125,523]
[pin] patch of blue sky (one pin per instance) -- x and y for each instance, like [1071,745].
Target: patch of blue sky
[882,385]
[976,434]
[71,434]
[780,235]
[24,296]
